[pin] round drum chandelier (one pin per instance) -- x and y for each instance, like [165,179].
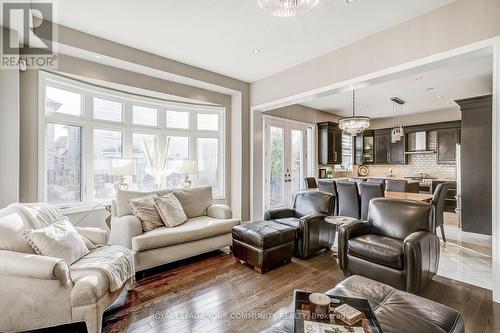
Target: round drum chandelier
[354,125]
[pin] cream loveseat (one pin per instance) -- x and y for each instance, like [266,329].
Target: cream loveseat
[208,228]
[39,291]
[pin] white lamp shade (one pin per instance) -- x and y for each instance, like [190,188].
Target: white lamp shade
[185,166]
[122,167]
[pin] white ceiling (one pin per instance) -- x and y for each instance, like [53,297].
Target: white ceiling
[219,35]
[436,89]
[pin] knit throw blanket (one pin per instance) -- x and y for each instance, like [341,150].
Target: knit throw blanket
[116,261]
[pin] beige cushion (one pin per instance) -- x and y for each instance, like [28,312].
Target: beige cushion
[122,198]
[193,229]
[58,240]
[145,210]
[12,226]
[170,210]
[195,200]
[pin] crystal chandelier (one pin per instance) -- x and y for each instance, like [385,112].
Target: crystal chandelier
[355,124]
[287,8]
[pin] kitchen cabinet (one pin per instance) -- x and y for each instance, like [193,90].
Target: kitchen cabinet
[364,148]
[329,143]
[387,152]
[397,151]
[382,142]
[447,140]
[476,164]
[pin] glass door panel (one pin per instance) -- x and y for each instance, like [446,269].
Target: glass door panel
[276,167]
[296,162]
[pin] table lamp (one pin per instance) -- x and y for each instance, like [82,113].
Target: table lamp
[186,167]
[121,167]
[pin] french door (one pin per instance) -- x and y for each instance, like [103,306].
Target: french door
[286,160]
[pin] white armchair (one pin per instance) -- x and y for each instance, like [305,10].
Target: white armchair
[40,291]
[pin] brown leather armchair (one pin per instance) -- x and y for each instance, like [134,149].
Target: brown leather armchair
[308,219]
[397,245]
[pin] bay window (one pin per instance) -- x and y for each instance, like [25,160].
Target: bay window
[83,127]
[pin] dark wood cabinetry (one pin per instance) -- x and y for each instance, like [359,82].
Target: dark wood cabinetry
[382,146]
[476,164]
[387,152]
[447,140]
[364,148]
[329,143]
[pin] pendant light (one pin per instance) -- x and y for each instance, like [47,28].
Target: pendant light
[355,124]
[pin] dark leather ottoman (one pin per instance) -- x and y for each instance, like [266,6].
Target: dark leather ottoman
[263,244]
[397,311]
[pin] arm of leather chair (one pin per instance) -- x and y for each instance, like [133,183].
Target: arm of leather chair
[34,266]
[123,229]
[312,228]
[421,251]
[219,211]
[278,213]
[346,232]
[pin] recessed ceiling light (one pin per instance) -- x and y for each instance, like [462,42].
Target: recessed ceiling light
[440,96]
[97,56]
[256,51]
[418,78]
[429,89]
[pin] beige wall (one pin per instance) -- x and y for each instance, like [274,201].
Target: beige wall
[303,113]
[9,135]
[458,24]
[437,116]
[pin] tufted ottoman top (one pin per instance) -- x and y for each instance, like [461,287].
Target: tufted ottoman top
[264,234]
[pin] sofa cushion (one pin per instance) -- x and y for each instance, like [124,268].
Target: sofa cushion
[194,229]
[289,221]
[170,210]
[195,200]
[378,249]
[90,285]
[145,210]
[59,240]
[122,197]
[12,226]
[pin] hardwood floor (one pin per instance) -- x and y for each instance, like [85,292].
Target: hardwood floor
[194,295]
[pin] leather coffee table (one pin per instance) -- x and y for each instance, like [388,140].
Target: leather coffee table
[263,244]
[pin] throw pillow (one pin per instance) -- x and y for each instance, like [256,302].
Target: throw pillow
[59,240]
[145,210]
[170,210]
[195,200]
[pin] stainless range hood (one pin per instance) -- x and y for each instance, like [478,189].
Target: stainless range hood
[420,145]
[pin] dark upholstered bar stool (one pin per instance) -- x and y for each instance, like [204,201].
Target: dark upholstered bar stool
[311,182]
[348,199]
[396,185]
[438,201]
[329,186]
[369,191]
[377,181]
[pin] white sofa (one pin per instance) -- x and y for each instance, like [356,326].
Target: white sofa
[208,228]
[39,291]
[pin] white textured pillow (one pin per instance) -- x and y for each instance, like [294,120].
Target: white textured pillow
[170,210]
[58,240]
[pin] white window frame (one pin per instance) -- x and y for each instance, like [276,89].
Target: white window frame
[87,123]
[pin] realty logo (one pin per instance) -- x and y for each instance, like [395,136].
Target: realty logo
[29,41]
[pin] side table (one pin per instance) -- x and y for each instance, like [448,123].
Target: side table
[336,222]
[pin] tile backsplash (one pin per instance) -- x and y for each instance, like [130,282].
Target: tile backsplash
[417,163]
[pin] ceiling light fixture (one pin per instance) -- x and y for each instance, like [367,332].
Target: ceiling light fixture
[355,124]
[256,51]
[287,8]
[397,131]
